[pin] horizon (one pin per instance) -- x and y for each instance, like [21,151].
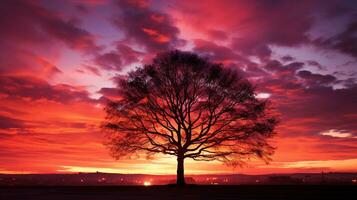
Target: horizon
[228,174]
[61,62]
[147,180]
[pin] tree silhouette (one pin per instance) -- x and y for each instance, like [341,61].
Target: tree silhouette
[185,106]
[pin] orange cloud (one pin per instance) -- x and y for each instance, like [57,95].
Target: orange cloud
[156,35]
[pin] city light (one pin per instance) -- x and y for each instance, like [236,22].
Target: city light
[147,183]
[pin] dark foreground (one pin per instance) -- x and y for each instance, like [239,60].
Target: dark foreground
[242,192]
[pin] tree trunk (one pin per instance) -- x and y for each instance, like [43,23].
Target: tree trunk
[180,180]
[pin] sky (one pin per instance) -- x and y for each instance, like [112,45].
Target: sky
[59,61]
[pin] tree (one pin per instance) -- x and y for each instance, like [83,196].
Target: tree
[185,106]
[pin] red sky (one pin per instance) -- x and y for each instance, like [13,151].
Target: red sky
[59,60]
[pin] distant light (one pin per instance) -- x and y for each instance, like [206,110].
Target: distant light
[101,180]
[147,183]
[263,95]
[354,180]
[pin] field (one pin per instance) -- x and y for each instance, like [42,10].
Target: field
[242,192]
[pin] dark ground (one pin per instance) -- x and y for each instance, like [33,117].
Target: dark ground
[243,192]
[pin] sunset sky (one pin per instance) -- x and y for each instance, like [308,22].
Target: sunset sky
[60,58]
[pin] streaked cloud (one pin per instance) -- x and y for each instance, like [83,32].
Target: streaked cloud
[338,134]
[334,165]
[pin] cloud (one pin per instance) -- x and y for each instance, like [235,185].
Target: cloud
[34,37]
[328,107]
[109,92]
[145,27]
[44,126]
[287,58]
[129,55]
[36,24]
[215,52]
[337,133]
[342,165]
[283,70]
[316,79]
[7,123]
[32,88]
[26,63]
[45,153]
[345,42]
[119,58]
[315,64]
[307,111]
[253,25]
[109,61]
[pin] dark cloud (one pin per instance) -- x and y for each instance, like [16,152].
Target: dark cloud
[244,46]
[32,88]
[31,34]
[316,79]
[128,54]
[273,65]
[287,58]
[350,82]
[69,33]
[215,52]
[122,56]
[109,92]
[109,61]
[280,89]
[28,22]
[345,42]
[276,66]
[337,8]
[256,26]
[7,122]
[254,70]
[307,111]
[279,23]
[304,110]
[286,28]
[228,57]
[294,66]
[146,27]
[315,64]
[334,108]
